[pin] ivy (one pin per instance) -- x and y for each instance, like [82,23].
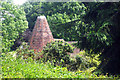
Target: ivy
[13,23]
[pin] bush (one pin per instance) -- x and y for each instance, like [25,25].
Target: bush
[28,68]
[13,23]
[25,51]
[58,52]
[88,60]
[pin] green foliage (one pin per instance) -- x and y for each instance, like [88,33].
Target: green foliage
[94,25]
[13,23]
[57,52]
[21,68]
[64,17]
[99,27]
[88,60]
[32,10]
[84,62]
[61,16]
[100,34]
[25,51]
[0,38]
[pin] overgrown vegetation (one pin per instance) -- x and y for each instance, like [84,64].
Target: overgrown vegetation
[24,63]
[13,23]
[94,25]
[28,68]
[57,52]
[60,17]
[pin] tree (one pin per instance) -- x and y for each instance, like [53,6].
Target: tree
[59,16]
[63,19]
[102,34]
[13,23]
[94,25]
[32,10]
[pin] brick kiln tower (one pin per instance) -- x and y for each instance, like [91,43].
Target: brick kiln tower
[41,34]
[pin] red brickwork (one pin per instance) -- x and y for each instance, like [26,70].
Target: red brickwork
[41,34]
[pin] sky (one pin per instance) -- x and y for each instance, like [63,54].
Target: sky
[19,2]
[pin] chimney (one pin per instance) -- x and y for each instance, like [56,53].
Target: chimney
[41,34]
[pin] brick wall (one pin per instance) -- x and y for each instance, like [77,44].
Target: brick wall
[41,34]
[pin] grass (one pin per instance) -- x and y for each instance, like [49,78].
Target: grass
[20,68]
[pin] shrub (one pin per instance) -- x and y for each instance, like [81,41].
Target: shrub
[58,52]
[13,23]
[28,68]
[24,51]
[88,60]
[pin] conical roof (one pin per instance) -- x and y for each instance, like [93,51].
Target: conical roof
[41,34]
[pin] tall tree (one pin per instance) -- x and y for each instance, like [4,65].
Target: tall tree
[94,25]
[13,23]
[61,17]
[102,34]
